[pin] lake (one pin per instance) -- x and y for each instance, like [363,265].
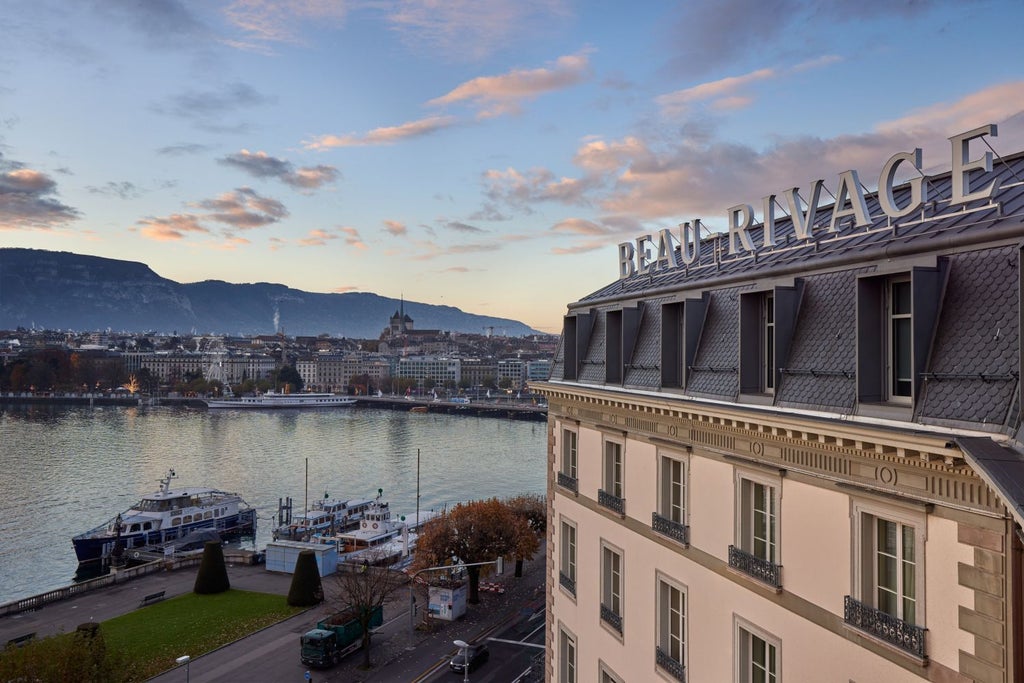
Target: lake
[64,470]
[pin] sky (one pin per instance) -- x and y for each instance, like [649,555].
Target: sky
[483,154]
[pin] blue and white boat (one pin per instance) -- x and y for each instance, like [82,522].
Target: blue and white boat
[166,515]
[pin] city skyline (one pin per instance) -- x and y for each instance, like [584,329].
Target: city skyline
[484,155]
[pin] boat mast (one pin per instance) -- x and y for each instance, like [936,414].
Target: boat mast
[305,501]
[417,488]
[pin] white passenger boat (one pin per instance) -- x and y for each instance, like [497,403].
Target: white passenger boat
[273,399]
[379,535]
[328,515]
[166,515]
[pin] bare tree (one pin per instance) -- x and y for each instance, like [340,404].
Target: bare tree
[362,588]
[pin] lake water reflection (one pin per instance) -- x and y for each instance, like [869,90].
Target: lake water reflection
[64,470]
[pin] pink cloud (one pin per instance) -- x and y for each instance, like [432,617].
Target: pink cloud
[395,228]
[495,95]
[171,228]
[383,136]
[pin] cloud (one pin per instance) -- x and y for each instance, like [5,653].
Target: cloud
[279,21]
[726,94]
[207,109]
[383,136]
[428,251]
[580,226]
[28,201]
[164,23]
[709,35]
[123,189]
[344,289]
[171,228]
[469,30]
[243,209]
[463,227]
[395,228]
[520,190]
[317,238]
[582,248]
[182,149]
[353,238]
[497,95]
[704,175]
[679,101]
[262,165]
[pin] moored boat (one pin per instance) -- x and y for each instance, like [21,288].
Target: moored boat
[166,515]
[328,515]
[273,399]
[379,535]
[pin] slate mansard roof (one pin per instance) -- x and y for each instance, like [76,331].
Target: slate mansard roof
[967,320]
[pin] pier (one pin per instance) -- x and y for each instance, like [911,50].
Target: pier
[504,408]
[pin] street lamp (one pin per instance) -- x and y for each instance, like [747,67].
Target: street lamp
[464,647]
[184,659]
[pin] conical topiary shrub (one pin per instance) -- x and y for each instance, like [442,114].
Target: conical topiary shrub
[306,589]
[213,573]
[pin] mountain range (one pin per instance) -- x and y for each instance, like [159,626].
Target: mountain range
[61,290]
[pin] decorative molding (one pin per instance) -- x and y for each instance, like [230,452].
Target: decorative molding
[922,467]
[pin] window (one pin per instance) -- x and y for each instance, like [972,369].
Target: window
[567,558]
[888,600]
[899,350]
[611,493]
[757,656]
[757,551]
[671,649]
[611,587]
[566,657]
[607,675]
[670,519]
[896,323]
[568,474]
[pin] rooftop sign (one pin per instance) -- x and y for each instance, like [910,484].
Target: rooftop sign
[654,253]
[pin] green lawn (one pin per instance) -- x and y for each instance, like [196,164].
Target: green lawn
[149,639]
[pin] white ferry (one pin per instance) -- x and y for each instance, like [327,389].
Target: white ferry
[165,515]
[273,399]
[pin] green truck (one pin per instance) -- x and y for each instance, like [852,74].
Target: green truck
[336,636]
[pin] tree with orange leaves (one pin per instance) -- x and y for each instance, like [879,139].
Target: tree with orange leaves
[478,531]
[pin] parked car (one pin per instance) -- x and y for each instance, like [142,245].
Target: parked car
[478,654]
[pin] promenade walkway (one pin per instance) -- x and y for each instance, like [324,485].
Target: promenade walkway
[272,654]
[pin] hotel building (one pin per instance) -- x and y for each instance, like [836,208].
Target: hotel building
[791,451]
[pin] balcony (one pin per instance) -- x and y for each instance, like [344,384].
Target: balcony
[904,635]
[611,502]
[674,530]
[610,617]
[565,582]
[669,665]
[567,482]
[762,570]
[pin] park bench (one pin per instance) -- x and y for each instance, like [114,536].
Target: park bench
[21,640]
[151,598]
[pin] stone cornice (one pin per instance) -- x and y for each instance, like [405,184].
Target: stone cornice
[921,465]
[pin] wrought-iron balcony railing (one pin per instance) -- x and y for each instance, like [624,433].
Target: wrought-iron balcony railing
[566,582]
[762,570]
[567,482]
[674,530]
[610,617]
[610,501]
[893,630]
[671,666]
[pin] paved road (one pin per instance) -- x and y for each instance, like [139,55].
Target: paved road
[273,653]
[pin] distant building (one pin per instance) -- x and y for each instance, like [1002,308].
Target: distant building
[793,452]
